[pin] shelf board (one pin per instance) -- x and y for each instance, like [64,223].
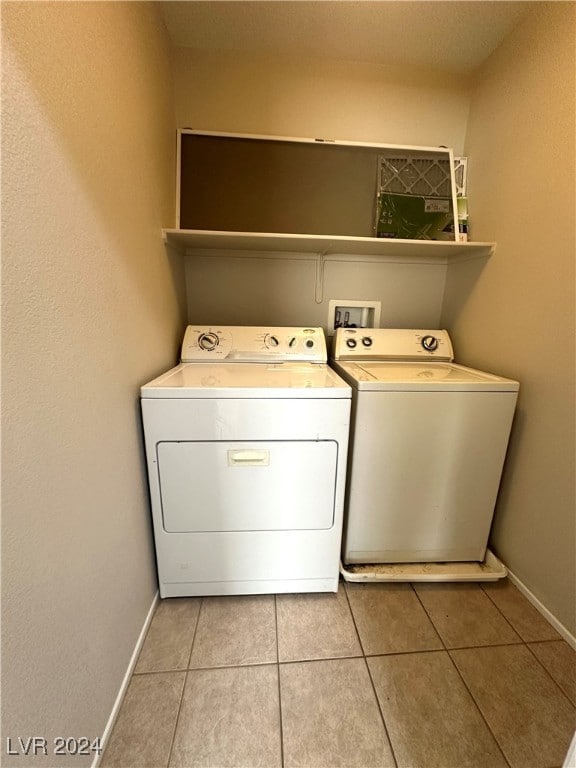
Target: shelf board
[194,240]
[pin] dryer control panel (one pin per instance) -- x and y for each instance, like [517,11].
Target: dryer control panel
[392,344]
[253,344]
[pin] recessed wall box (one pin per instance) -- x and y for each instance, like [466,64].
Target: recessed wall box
[347,313]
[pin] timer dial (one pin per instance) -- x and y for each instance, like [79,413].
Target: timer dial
[351,343]
[208,341]
[271,341]
[429,343]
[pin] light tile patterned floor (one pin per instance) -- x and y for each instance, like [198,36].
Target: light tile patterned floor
[430,676]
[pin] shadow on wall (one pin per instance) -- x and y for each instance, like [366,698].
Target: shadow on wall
[517,434]
[461,281]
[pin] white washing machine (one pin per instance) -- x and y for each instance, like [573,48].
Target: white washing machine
[246,445]
[428,443]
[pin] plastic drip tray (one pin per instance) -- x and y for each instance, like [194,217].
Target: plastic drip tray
[491,569]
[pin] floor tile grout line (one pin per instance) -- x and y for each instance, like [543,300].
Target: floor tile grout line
[303,660]
[527,642]
[483,645]
[430,619]
[406,653]
[288,662]
[382,718]
[195,631]
[268,663]
[231,666]
[151,672]
[236,665]
[447,651]
[556,683]
[520,640]
[451,648]
[177,720]
[278,679]
[353,619]
[185,683]
[375,692]
[501,612]
[276,628]
[471,694]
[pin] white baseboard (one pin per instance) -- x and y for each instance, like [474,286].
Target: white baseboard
[560,628]
[125,681]
[570,761]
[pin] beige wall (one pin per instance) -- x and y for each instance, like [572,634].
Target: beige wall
[516,315]
[255,290]
[350,101]
[309,98]
[92,308]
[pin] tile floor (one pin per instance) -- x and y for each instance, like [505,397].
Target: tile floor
[423,676]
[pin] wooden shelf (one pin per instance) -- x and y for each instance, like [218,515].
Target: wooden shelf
[195,241]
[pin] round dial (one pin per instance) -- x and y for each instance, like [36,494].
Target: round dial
[271,341]
[351,343]
[309,343]
[430,343]
[208,341]
[367,341]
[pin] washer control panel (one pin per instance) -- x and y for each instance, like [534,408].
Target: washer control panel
[251,344]
[391,344]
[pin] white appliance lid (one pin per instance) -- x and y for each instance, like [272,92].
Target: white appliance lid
[400,376]
[248,380]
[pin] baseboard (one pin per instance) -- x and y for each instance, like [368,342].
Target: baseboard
[570,761]
[560,628]
[125,681]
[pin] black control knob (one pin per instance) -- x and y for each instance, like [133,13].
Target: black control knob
[208,341]
[429,343]
[292,341]
[309,343]
[367,341]
[351,343]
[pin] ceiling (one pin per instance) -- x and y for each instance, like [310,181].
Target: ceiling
[452,36]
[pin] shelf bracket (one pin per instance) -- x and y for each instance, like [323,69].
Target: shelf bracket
[319,280]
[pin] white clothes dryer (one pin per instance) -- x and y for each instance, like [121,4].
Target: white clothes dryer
[246,446]
[428,443]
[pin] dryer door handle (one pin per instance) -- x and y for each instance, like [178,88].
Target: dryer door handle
[246,457]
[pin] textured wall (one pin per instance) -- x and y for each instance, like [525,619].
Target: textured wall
[517,314]
[92,308]
[262,291]
[299,96]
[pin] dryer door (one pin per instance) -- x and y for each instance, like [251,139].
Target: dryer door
[247,486]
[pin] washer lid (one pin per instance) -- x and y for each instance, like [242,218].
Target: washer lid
[398,376]
[248,380]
